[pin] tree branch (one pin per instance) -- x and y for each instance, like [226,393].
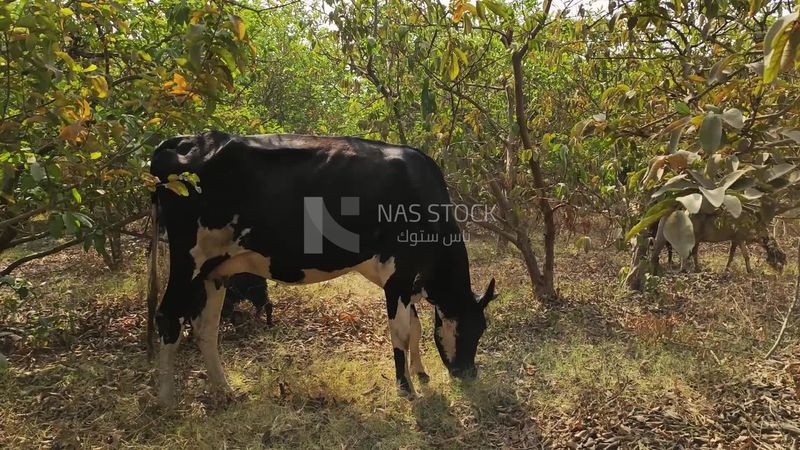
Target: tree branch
[66,245]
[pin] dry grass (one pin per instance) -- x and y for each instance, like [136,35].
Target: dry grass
[679,364]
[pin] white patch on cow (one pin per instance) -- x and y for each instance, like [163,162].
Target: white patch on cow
[214,242]
[376,271]
[166,371]
[415,355]
[315,275]
[393,153]
[400,328]
[248,261]
[205,329]
[447,336]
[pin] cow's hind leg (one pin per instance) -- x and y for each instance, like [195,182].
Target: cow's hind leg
[414,353]
[399,309]
[746,256]
[206,333]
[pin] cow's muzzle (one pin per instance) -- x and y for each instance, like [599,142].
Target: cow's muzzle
[464,373]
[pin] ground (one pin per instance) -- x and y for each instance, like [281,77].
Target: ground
[680,365]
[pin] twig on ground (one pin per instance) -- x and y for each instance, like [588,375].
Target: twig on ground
[791,308]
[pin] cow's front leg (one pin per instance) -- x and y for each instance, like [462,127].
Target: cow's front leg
[416,358]
[399,310]
[206,333]
[166,370]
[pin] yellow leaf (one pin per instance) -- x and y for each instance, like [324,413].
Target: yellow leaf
[698,78]
[149,180]
[86,109]
[154,121]
[178,85]
[775,44]
[459,11]
[178,187]
[100,85]
[196,16]
[67,59]
[239,27]
[454,69]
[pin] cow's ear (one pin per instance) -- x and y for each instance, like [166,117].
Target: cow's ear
[487,296]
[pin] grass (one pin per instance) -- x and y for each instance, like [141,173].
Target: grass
[650,370]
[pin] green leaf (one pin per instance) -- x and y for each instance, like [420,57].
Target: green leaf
[682,108]
[734,118]
[55,225]
[717,74]
[733,205]
[76,195]
[676,183]
[679,231]
[652,215]
[37,172]
[728,180]
[461,55]
[714,196]
[70,223]
[497,8]
[691,202]
[776,171]
[674,140]
[84,220]
[711,132]
[99,243]
[427,100]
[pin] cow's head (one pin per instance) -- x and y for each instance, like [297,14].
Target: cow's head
[776,258]
[457,337]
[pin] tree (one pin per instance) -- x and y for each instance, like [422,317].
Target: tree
[88,88]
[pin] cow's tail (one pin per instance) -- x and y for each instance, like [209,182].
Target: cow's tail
[152,287]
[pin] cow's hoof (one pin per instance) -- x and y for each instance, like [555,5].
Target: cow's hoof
[404,389]
[423,377]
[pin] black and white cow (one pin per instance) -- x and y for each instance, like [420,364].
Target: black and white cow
[265,204]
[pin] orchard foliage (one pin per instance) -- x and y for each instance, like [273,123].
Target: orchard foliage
[88,88]
[631,109]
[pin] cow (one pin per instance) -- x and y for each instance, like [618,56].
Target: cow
[304,209]
[722,227]
[246,286]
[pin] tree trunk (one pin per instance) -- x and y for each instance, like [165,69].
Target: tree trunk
[545,286]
